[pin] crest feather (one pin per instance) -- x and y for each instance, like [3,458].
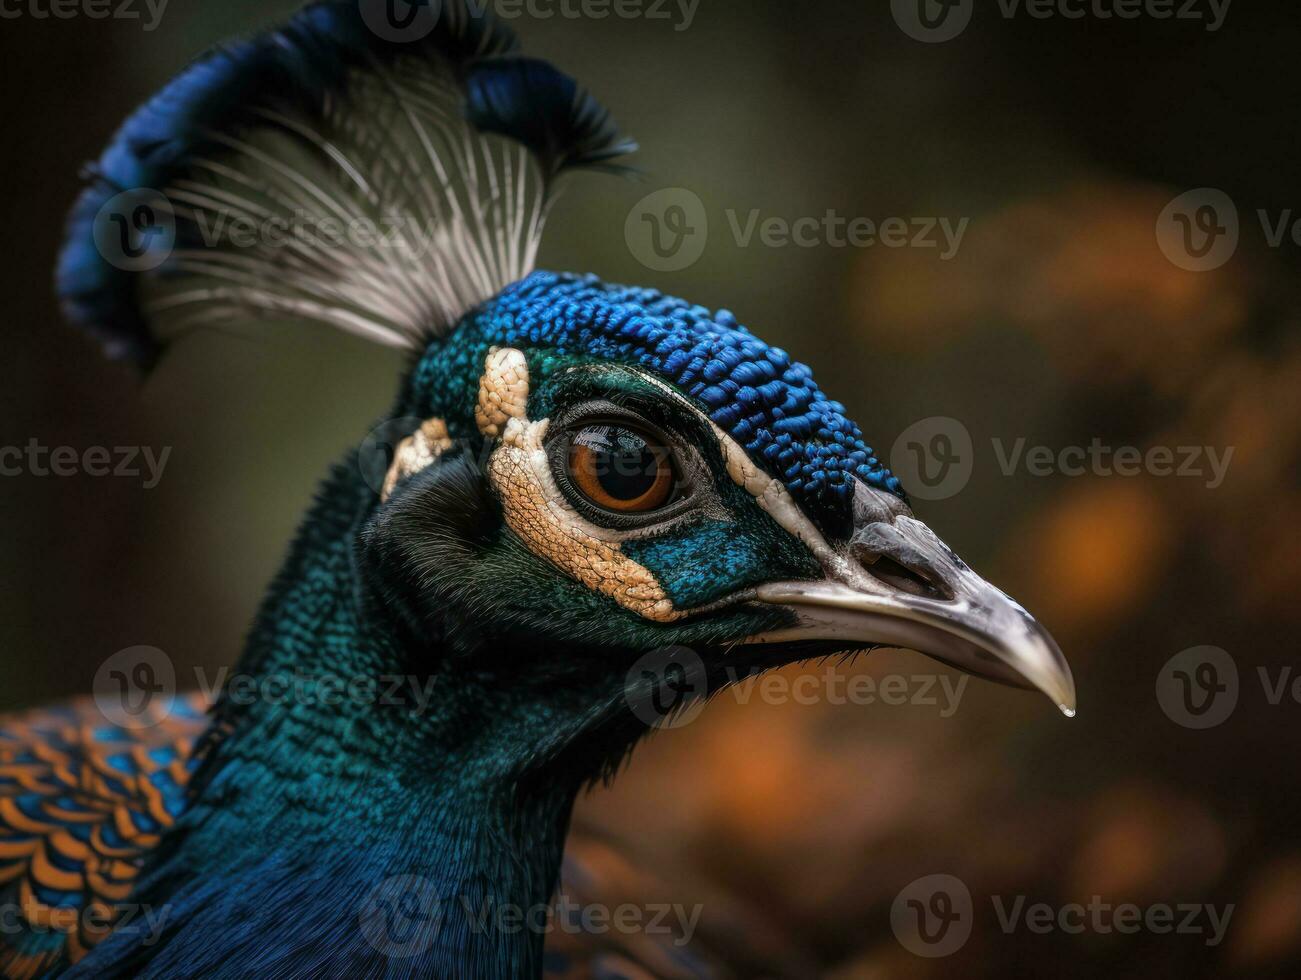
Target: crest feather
[320,171]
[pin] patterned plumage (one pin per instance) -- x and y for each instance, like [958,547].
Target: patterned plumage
[601,493]
[81,803]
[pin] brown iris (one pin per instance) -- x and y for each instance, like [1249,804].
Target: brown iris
[620,469]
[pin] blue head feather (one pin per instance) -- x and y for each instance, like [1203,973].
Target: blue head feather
[756,393]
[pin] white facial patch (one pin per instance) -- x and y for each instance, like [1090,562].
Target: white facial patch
[503,391]
[416,452]
[536,510]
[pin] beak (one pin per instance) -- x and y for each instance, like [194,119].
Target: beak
[897,584]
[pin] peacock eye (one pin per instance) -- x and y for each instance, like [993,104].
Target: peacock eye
[620,469]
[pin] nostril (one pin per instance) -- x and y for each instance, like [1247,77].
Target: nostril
[904,579]
[916,577]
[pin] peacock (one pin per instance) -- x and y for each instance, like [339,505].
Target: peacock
[604,504]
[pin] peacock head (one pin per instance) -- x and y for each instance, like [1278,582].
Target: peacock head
[597,472]
[605,467]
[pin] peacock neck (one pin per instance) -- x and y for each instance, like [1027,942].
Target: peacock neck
[367,805]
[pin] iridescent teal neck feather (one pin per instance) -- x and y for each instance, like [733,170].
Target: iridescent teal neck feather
[301,809]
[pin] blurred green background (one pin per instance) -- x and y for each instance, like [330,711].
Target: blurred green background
[1059,320]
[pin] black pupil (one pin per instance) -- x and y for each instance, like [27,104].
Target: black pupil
[625,465]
